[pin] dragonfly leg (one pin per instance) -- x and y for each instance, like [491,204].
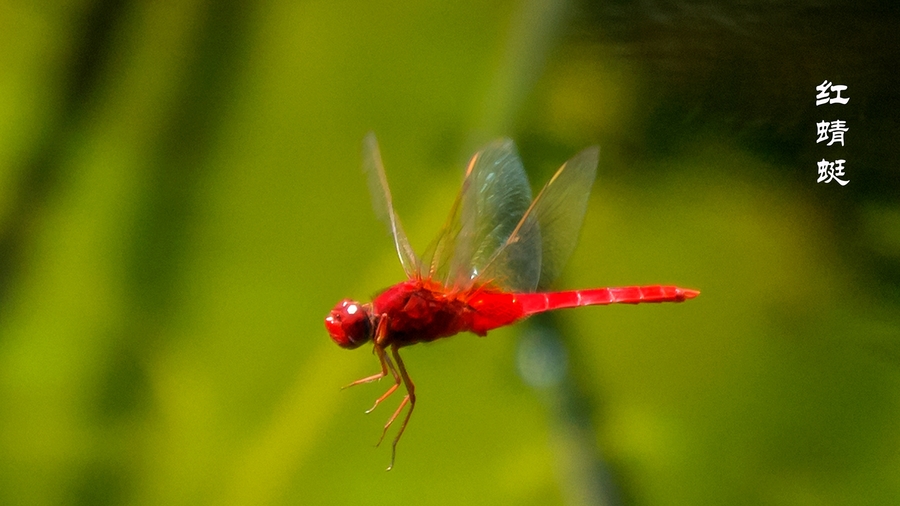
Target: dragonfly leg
[386,362]
[386,365]
[410,398]
[382,358]
[379,351]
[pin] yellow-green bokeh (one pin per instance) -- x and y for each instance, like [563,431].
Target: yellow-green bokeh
[181,203]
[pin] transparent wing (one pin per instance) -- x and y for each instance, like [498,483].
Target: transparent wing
[553,222]
[559,209]
[384,205]
[494,196]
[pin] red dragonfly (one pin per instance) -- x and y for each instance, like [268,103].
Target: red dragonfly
[481,272]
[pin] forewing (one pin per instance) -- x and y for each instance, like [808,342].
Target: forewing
[559,209]
[492,202]
[384,205]
[552,222]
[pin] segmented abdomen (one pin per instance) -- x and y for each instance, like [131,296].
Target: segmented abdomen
[539,302]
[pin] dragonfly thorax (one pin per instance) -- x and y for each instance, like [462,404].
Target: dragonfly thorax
[350,324]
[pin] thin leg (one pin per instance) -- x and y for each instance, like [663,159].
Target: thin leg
[390,365]
[410,397]
[400,375]
[383,397]
[385,361]
[379,351]
[386,365]
[390,421]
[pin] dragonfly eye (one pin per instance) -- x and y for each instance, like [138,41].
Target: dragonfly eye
[349,325]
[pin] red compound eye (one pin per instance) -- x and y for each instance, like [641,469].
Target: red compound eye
[349,325]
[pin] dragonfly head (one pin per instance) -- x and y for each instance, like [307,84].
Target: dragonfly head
[349,324]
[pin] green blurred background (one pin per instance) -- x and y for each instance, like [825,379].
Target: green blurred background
[181,204]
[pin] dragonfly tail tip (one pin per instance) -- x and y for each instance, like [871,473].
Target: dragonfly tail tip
[689,294]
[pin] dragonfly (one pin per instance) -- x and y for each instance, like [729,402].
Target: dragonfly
[484,269]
